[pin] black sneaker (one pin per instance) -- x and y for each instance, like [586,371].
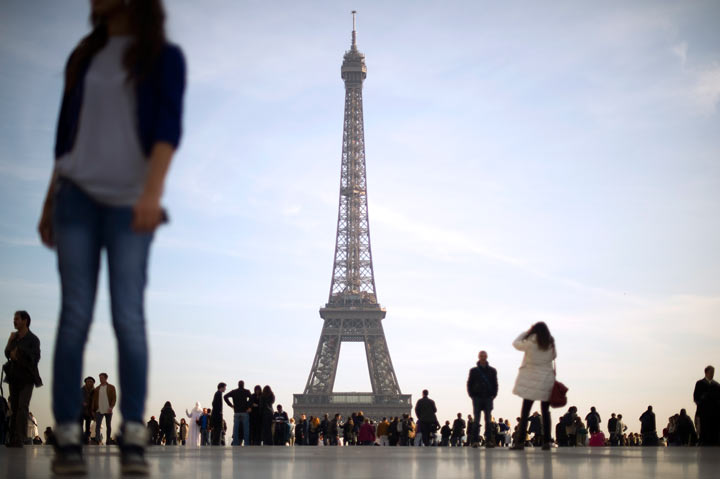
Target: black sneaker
[68,461]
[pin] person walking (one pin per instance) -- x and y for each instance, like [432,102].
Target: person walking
[21,374]
[216,418]
[707,398]
[241,419]
[194,416]
[535,378]
[87,416]
[118,128]
[103,402]
[425,410]
[482,387]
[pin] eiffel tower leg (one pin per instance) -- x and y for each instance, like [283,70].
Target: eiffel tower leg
[322,374]
[382,373]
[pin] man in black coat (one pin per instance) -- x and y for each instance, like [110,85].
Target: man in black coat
[482,387]
[21,373]
[648,430]
[153,431]
[593,421]
[707,398]
[425,411]
[241,407]
[612,430]
[216,420]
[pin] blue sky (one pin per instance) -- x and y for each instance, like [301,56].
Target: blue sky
[527,161]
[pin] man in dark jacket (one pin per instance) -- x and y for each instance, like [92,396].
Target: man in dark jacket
[153,431]
[324,426]
[241,418]
[21,373]
[216,419]
[685,430]
[612,430]
[334,430]
[593,421]
[425,411]
[87,412]
[482,387]
[458,431]
[707,398]
[648,430]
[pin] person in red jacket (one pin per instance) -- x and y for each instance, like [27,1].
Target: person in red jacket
[367,433]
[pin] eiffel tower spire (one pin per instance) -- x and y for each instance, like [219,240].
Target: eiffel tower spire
[352,313]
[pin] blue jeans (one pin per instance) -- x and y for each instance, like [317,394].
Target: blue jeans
[82,228]
[484,405]
[241,418]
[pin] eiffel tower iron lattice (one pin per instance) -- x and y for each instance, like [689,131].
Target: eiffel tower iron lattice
[352,313]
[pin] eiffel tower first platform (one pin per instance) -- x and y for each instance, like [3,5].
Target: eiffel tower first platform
[352,313]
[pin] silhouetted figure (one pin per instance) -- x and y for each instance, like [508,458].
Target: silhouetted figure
[482,387]
[425,410]
[21,373]
[707,398]
[648,429]
[216,419]
[593,421]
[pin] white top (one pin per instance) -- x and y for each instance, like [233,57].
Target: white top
[103,402]
[536,375]
[107,160]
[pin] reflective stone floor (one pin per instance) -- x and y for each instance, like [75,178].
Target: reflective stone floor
[384,462]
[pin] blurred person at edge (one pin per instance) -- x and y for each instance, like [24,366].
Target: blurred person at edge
[118,128]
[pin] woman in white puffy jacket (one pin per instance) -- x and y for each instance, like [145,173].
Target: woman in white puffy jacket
[536,376]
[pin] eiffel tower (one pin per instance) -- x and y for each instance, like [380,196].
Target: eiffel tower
[352,313]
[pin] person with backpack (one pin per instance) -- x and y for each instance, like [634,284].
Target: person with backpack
[482,387]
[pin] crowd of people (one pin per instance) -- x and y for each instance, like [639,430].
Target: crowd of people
[258,421]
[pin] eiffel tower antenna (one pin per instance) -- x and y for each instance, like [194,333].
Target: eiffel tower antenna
[352,313]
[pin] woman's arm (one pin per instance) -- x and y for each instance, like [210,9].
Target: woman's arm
[520,343]
[45,225]
[147,211]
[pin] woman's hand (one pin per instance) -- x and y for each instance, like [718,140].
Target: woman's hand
[147,214]
[45,227]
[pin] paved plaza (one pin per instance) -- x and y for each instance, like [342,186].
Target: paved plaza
[385,462]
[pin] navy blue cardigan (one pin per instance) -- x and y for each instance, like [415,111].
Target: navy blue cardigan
[159,104]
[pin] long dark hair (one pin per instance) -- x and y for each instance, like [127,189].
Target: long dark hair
[542,334]
[147,27]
